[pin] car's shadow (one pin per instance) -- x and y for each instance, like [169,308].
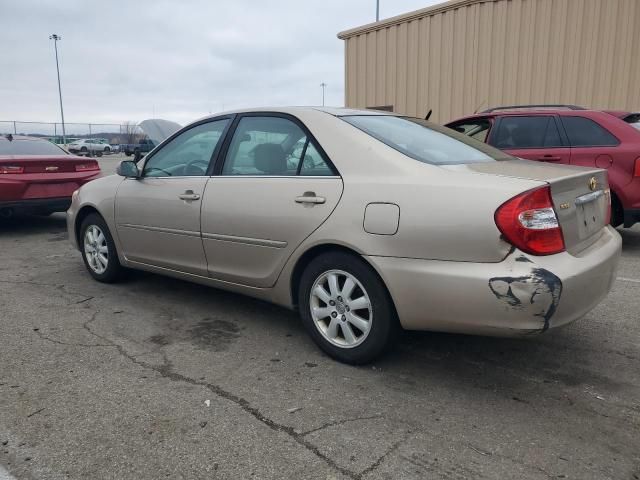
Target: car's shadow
[33,225]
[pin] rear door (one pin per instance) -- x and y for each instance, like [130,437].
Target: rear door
[532,137]
[274,188]
[158,214]
[592,145]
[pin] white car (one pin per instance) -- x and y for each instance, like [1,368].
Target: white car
[89,145]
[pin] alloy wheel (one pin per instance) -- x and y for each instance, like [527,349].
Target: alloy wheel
[95,249]
[341,308]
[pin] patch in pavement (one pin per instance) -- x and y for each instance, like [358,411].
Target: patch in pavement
[215,333]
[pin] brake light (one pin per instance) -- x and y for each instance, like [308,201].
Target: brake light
[11,169]
[529,222]
[87,167]
[636,169]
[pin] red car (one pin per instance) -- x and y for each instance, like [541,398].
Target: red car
[571,135]
[39,177]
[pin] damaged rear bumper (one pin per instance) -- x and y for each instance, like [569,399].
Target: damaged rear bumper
[523,294]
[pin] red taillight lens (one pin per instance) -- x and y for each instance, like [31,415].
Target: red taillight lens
[636,168]
[87,167]
[11,169]
[528,221]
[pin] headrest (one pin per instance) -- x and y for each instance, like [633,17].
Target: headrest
[270,159]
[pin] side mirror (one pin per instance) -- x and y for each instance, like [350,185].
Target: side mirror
[128,169]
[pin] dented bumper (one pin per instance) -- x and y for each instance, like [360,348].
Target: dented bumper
[523,294]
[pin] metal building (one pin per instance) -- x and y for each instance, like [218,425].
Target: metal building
[465,55]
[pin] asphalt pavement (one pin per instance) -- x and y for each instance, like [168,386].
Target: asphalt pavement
[159,378]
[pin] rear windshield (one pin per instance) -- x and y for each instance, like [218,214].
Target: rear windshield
[29,147]
[425,141]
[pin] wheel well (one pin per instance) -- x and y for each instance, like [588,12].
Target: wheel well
[82,214]
[314,252]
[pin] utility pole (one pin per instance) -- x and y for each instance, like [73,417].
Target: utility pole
[55,39]
[377,10]
[323,85]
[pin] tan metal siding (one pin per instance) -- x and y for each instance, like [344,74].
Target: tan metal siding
[467,55]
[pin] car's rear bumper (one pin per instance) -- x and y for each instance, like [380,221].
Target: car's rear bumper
[522,294]
[35,205]
[631,217]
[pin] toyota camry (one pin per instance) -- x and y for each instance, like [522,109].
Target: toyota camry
[364,222]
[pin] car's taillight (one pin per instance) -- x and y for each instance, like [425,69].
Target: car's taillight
[636,168]
[86,167]
[11,169]
[529,222]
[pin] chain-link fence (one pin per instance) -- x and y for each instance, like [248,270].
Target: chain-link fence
[113,133]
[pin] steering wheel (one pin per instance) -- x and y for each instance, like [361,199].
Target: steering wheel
[197,163]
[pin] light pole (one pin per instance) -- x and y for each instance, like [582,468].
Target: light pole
[377,10]
[55,39]
[323,85]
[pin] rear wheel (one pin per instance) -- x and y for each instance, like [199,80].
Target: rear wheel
[106,150]
[84,150]
[98,250]
[346,308]
[617,212]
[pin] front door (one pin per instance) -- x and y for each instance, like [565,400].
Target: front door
[275,188]
[533,137]
[158,214]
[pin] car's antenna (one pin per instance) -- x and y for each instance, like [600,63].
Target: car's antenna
[428,116]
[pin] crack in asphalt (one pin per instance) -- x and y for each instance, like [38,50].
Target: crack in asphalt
[166,371]
[338,422]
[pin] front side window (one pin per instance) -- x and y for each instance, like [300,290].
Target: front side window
[272,146]
[425,141]
[540,131]
[188,154]
[476,129]
[584,132]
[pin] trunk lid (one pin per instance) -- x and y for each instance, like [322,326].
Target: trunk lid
[47,164]
[580,195]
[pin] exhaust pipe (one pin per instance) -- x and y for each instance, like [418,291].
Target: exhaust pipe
[6,213]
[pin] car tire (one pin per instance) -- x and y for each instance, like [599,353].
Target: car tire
[338,328]
[106,150]
[128,154]
[617,212]
[93,247]
[84,150]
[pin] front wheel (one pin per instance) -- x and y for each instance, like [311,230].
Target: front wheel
[98,250]
[346,308]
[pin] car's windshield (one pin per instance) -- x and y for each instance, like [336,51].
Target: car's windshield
[425,141]
[29,147]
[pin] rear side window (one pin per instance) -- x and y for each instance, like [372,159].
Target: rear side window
[584,132]
[29,147]
[538,131]
[424,141]
[272,146]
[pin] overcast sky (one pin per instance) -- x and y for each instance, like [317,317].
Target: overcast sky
[128,60]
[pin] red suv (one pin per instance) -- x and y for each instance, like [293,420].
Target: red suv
[571,135]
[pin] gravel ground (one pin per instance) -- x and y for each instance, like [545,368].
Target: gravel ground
[158,378]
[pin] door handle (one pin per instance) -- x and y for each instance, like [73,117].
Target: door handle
[310,197]
[189,196]
[550,158]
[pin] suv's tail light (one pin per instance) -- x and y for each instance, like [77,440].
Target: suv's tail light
[86,167]
[528,221]
[11,169]
[636,168]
